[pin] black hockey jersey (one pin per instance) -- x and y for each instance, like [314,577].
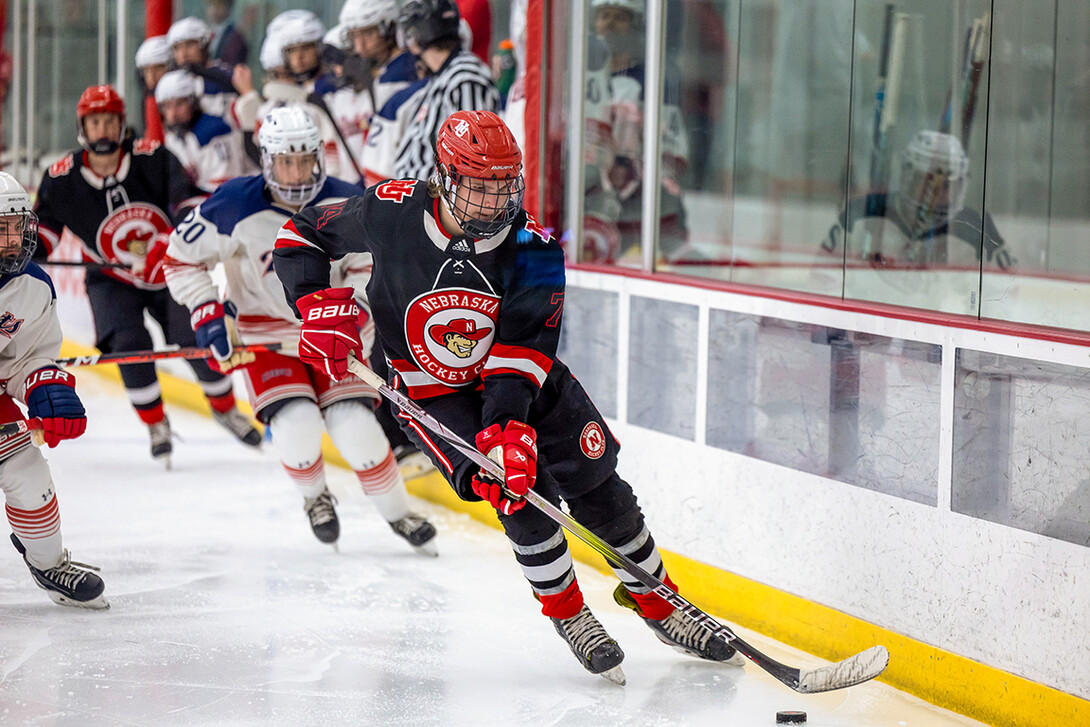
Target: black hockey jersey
[111,214]
[451,312]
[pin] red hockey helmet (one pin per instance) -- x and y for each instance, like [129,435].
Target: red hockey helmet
[479,164]
[99,100]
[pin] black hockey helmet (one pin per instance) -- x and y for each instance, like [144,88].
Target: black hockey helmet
[428,22]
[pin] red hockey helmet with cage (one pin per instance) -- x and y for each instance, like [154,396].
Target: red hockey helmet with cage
[99,100]
[479,146]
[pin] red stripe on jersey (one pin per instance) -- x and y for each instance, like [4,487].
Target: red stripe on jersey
[427,441]
[289,237]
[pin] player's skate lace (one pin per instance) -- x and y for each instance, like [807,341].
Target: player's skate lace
[239,425]
[75,583]
[683,633]
[590,643]
[323,516]
[160,433]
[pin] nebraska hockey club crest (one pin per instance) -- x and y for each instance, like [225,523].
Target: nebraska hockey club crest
[450,332]
[126,233]
[592,441]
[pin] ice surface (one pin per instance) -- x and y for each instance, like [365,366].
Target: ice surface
[226,611]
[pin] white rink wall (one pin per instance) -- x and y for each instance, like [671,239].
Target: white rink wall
[1006,596]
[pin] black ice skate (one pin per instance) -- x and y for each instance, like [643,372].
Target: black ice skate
[418,532]
[682,633]
[161,446]
[238,425]
[592,646]
[323,518]
[68,583]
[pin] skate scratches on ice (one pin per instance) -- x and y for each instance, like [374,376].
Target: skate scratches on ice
[39,641]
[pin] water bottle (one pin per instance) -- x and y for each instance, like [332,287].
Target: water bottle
[505,78]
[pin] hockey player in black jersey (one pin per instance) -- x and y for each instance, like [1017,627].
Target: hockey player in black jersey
[466,295]
[117,196]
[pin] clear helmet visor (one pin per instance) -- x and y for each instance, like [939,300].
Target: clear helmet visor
[18,240]
[294,177]
[482,207]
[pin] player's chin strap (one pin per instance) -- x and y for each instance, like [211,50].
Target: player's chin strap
[849,672]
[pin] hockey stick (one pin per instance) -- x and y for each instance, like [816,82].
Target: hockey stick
[981,28]
[34,426]
[849,672]
[320,103]
[90,265]
[132,357]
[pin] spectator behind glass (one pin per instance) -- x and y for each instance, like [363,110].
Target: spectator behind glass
[227,45]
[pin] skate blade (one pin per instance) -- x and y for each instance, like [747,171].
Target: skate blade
[427,549]
[99,604]
[163,460]
[336,547]
[615,675]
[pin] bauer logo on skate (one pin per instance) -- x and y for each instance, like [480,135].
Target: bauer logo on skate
[592,441]
[123,236]
[450,333]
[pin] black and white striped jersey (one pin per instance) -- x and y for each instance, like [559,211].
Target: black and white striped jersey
[464,83]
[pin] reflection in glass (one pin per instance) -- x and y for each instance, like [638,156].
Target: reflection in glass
[857,408]
[1020,443]
[662,366]
[589,345]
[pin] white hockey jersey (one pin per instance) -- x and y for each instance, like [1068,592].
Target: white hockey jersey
[30,337]
[237,226]
[211,152]
[384,135]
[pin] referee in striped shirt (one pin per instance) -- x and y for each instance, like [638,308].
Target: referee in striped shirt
[457,81]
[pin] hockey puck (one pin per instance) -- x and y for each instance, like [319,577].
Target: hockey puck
[790,717]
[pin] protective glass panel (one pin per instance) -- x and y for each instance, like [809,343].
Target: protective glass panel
[856,408]
[793,106]
[1020,440]
[912,228]
[698,138]
[662,366]
[588,344]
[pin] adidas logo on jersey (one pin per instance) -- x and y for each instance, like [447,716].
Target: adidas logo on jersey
[460,246]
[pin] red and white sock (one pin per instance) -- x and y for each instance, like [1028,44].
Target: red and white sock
[308,479]
[40,533]
[385,488]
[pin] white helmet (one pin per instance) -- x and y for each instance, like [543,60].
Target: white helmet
[289,131]
[190,28]
[300,29]
[271,55]
[934,177]
[176,84]
[338,38]
[369,13]
[154,51]
[15,202]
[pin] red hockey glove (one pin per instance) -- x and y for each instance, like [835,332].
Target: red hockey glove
[50,395]
[517,452]
[153,272]
[329,331]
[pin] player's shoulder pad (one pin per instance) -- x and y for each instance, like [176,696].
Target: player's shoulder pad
[402,68]
[389,109]
[324,84]
[234,201]
[208,127]
[35,272]
[63,166]
[530,232]
[145,147]
[397,193]
[539,260]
